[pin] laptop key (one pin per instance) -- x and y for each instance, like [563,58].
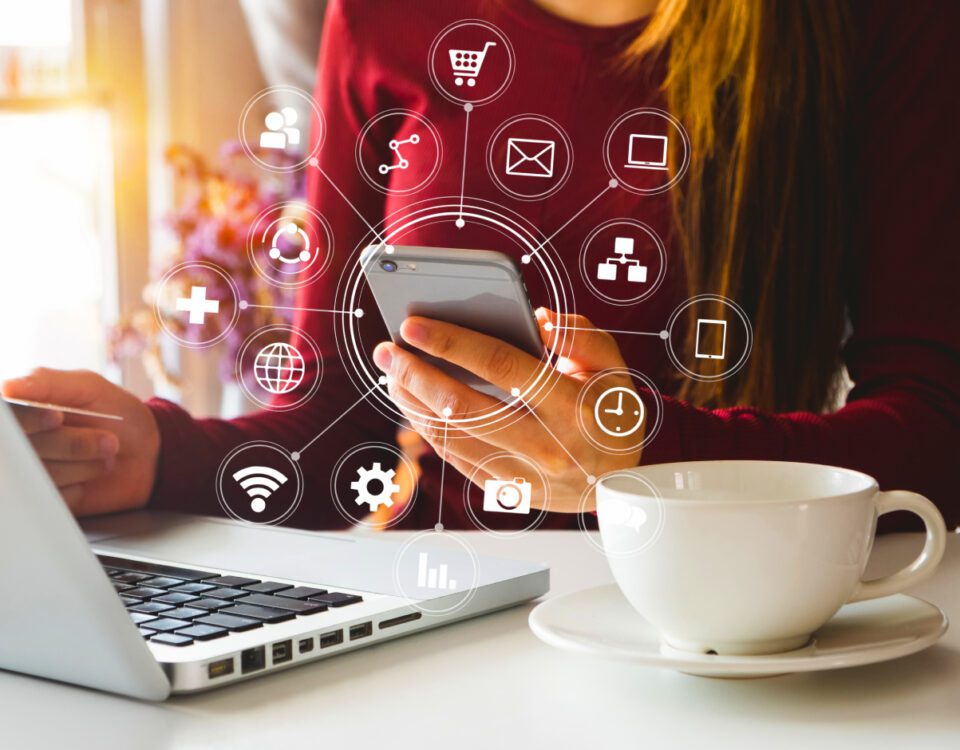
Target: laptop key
[125,576]
[185,613]
[210,604]
[266,614]
[155,569]
[305,607]
[144,592]
[141,617]
[203,632]
[150,608]
[337,599]
[146,632]
[192,588]
[301,592]
[233,581]
[267,587]
[230,622]
[171,639]
[162,582]
[121,586]
[225,593]
[163,624]
[172,597]
[130,600]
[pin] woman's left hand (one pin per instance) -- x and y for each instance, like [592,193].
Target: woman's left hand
[546,431]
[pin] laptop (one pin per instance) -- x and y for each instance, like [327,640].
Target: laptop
[148,604]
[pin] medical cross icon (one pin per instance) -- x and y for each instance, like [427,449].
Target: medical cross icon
[198,305]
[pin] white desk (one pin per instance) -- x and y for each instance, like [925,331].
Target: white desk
[490,683]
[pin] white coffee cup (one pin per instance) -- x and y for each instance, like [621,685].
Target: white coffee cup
[750,557]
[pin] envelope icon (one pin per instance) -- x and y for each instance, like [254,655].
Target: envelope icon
[529,157]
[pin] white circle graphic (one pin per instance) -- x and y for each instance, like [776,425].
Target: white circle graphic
[403,151]
[373,467]
[462,66]
[508,495]
[738,314]
[437,572]
[290,244]
[623,405]
[620,263]
[533,160]
[194,306]
[645,526]
[278,367]
[633,152]
[259,483]
[281,131]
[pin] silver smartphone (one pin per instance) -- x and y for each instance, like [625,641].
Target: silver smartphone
[477,289]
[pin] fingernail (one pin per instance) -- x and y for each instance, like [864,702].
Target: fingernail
[382,357]
[414,332]
[108,446]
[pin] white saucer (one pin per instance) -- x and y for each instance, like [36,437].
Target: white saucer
[601,622]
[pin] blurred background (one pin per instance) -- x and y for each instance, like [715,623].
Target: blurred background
[119,158]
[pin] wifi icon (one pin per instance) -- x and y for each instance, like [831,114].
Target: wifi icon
[259,482]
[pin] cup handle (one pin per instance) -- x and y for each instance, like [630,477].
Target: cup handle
[929,557]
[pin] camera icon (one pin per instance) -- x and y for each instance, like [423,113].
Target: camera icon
[507,496]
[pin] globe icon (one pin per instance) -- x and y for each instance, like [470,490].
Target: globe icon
[279,368]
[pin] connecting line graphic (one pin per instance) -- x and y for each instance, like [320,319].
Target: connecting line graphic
[468,108]
[443,470]
[659,334]
[296,456]
[612,185]
[316,165]
[591,479]
[244,305]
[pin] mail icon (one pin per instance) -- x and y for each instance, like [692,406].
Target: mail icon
[529,157]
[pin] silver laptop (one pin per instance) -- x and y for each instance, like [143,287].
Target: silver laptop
[149,604]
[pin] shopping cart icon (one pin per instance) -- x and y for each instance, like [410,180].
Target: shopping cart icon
[466,63]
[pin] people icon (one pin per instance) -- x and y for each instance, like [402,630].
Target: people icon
[280,132]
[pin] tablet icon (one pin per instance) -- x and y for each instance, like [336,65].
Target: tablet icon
[198,306]
[647,151]
[530,157]
[711,340]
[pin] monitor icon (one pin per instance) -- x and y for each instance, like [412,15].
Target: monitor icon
[711,339]
[647,152]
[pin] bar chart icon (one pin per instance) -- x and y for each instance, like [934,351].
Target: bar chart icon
[433,578]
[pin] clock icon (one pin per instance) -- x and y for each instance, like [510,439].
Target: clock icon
[619,411]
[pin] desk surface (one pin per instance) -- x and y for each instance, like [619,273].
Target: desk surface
[489,682]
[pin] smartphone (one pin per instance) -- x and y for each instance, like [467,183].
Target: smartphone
[477,289]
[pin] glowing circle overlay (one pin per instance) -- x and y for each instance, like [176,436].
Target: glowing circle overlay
[297,476]
[555,183]
[590,535]
[341,506]
[415,601]
[450,95]
[362,371]
[538,519]
[655,408]
[256,244]
[736,366]
[650,288]
[684,161]
[291,332]
[434,133]
[317,138]
[207,268]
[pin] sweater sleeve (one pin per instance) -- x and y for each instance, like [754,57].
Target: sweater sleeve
[901,420]
[192,449]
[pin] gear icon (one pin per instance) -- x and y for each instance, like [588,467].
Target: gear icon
[383,477]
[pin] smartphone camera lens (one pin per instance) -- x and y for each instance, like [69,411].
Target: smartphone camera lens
[388,265]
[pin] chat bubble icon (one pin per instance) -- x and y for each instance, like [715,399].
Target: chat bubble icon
[621,513]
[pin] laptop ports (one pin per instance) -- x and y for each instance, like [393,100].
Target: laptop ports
[220,668]
[361,631]
[333,638]
[282,651]
[306,645]
[253,659]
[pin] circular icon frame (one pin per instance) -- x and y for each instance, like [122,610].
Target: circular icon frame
[619,177]
[733,369]
[318,138]
[338,501]
[418,602]
[651,288]
[541,514]
[589,534]
[557,183]
[256,244]
[308,393]
[451,95]
[365,131]
[263,445]
[649,434]
[210,268]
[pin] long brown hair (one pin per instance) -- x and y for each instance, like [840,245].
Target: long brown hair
[761,86]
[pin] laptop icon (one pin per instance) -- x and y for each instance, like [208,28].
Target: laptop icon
[647,152]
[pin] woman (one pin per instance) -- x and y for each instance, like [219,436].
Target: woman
[819,198]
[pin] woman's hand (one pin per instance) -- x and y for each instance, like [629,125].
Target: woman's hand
[546,432]
[98,465]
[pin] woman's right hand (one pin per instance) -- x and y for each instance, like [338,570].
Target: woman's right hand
[99,465]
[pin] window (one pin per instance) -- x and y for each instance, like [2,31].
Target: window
[57,285]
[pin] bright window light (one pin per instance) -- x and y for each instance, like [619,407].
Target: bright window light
[56,293]
[36,23]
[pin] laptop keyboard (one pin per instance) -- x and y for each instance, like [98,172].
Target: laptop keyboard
[178,606]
